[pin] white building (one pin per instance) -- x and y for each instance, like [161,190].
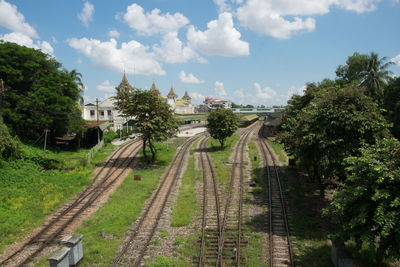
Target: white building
[214,103]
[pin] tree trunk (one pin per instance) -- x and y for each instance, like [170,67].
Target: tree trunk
[221,141]
[144,150]
[153,151]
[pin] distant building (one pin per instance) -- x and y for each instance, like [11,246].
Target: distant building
[214,103]
[107,109]
[179,106]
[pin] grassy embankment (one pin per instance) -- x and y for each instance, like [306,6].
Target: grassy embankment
[33,185]
[278,149]
[254,227]
[308,229]
[120,211]
[189,248]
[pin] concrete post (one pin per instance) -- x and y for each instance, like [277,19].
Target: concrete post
[60,258]
[74,243]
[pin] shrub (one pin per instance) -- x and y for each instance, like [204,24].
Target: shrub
[9,145]
[109,136]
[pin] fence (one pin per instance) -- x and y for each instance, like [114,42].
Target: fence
[93,151]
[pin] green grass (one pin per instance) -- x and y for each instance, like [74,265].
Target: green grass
[278,148]
[186,205]
[308,228]
[252,229]
[29,192]
[162,261]
[221,156]
[120,211]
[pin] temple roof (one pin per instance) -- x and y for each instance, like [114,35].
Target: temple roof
[124,85]
[172,94]
[186,96]
[154,89]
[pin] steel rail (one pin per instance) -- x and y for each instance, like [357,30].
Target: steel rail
[267,151]
[82,196]
[185,148]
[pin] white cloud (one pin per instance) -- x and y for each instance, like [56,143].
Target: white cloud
[219,89]
[22,39]
[197,97]
[133,57]
[113,33]
[283,18]
[190,78]
[221,38]
[54,40]
[263,93]
[153,22]
[11,19]
[86,15]
[106,86]
[396,60]
[172,50]
[296,91]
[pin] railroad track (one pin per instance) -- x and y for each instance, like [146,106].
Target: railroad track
[280,247]
[146,226]
[118,165]
[221,238]
[211,210]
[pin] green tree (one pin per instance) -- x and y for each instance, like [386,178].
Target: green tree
[392,105]
[38,93]
[353,71]
[154,118]
[334,125]
[222,123]
[375,76]
[367,208]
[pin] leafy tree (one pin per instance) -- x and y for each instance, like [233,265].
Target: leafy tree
[334,125]
[222,123]
[392,105]
[9,145]
[38,93]
[367,208]
[154,118]
[375,76]
[367,71]
[353,71]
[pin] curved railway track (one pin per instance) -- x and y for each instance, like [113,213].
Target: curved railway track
[140,239]
[118,165]
[280,247]
[221,238]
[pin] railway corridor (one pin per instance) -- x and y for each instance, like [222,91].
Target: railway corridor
[64,221]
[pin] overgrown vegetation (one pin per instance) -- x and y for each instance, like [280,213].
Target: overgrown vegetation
[278,149]
[34,184]
[121,210]
[185,206]
[337,131]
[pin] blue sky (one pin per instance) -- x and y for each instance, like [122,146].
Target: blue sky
[248,51]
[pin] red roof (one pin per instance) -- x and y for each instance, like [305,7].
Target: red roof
[213,99]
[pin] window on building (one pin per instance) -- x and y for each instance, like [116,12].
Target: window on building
[92,113]
[102,113]
[109,113]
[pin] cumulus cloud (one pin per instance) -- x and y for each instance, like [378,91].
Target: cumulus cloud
[396,60]
[133,57]
[190,78]
[22,33]
[11,19]
[22,39]
[282,19]
[219,89]
[153,22]
[197,97]
[172,50]
[296,91]
[86,15]
[113,34]
[106,86]
[264,93]
[221,38]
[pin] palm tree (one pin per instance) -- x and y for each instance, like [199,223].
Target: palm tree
[77,78]
[375,76]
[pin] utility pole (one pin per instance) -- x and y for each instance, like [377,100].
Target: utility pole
[98,126]
[45,141]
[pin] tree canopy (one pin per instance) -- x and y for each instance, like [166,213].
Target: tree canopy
[392,105]
[367,208]
[222,123]
[39,94]
[154,118]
